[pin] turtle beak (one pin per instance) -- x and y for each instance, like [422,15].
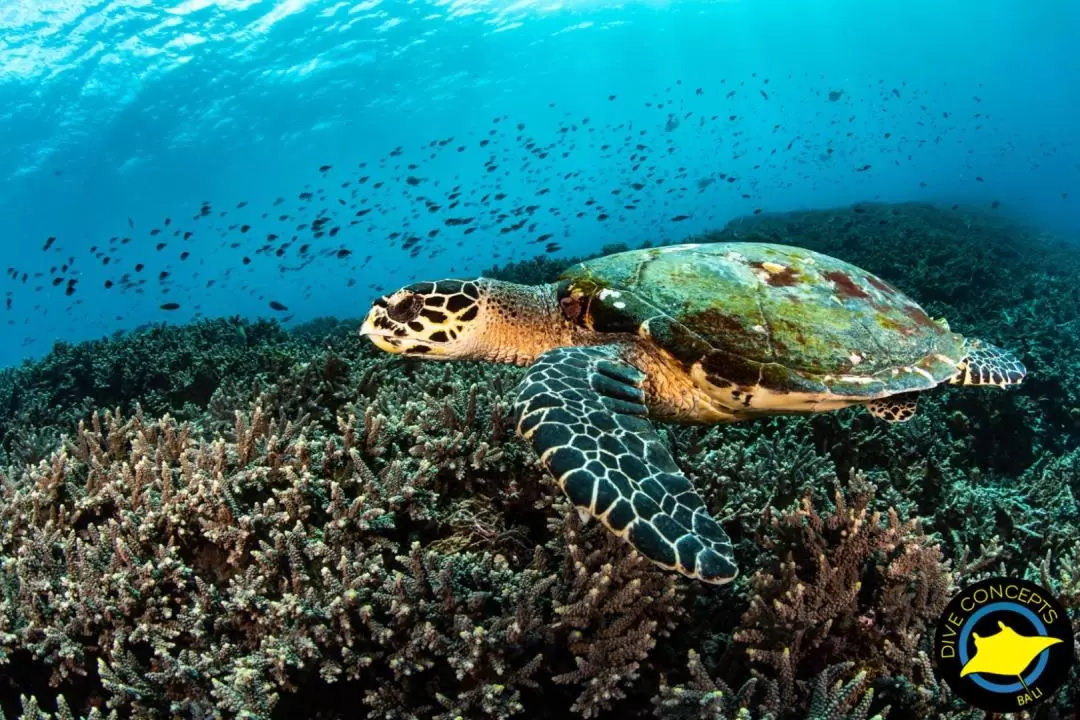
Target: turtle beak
[380,338]
[368,327]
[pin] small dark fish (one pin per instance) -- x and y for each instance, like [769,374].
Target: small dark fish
[680,218]
[343,253]
[996,204]
[274,304]
[48,244]
[978,178]
[325,168]
[170,306]
[131,223]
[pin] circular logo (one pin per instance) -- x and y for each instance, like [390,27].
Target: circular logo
[1004,645]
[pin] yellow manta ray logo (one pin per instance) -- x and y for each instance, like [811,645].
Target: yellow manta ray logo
[1004,645]
[1006,652]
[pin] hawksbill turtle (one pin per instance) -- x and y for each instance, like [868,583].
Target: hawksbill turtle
[692,333]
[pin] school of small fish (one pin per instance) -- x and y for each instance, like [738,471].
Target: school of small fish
[353,208]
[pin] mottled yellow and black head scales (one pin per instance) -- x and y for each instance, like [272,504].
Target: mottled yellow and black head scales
[435,319]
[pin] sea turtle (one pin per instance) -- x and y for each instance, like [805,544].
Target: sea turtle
[692,333]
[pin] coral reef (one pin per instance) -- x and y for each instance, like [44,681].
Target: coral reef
[228,520]
[164,368]
[834,694]
[190,575]
[850,585]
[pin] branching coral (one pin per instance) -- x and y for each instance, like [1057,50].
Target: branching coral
[744,470]
[164,368]
[196,575]
[836,693]
[190,574]
[851,585]
[615,605]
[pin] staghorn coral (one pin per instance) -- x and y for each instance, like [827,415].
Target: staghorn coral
[851,585]
[745,469]
[31,710]
[834,694]
[614,609]
[196,575]
[462,616]
[163,368]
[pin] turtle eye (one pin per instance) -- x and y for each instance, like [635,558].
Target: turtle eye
[405,309]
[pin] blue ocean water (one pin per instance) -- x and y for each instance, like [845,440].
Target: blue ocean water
[168,148]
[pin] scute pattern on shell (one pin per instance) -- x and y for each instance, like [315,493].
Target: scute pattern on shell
[793,309]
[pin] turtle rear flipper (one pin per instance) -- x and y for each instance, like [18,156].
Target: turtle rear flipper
[986,364]
[895,408]
[583,411]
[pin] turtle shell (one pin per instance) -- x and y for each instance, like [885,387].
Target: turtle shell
[814,323]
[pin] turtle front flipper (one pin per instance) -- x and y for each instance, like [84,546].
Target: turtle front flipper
[986,364]
[583,411]
[895,408]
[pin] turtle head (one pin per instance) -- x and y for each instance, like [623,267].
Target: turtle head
[481,319]
[433,319]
